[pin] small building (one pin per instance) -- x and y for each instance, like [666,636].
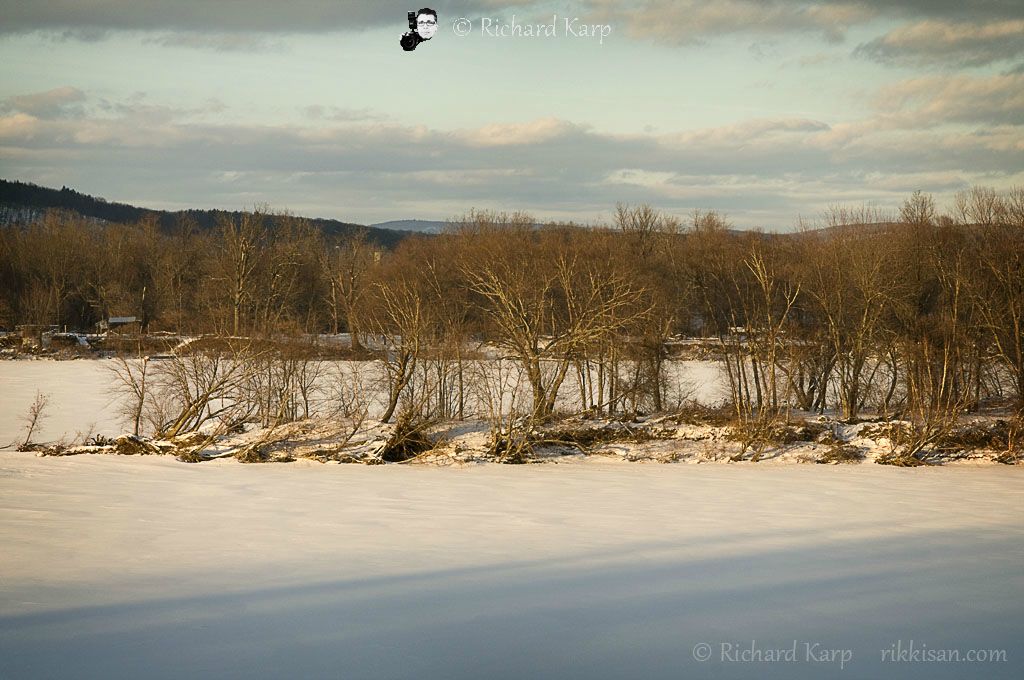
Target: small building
[129,325]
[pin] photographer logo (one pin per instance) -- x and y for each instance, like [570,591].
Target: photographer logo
[422,27]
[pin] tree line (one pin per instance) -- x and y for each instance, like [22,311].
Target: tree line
[918,311]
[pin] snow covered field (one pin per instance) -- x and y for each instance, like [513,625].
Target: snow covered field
[128,567]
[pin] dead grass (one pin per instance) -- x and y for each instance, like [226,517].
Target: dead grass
[407,440]
[130,445]
[259,452]
[190,456]
[893,431]
[694,413]
[841,454]
[901,460]
[760,435]
[997,435]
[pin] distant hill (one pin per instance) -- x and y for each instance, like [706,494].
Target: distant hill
[436,226]
[421,226]
[22,202]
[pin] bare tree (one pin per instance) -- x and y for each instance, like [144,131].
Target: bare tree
[204,386]
[662,271]
[347,265]
[130,376]
[544,301]
[853,282]
[997,287]
[244,247]
[938,341]
[398,318]
[36,414]
[500,386]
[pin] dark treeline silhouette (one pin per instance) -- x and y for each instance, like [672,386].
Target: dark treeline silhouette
[22,197]
[863,312]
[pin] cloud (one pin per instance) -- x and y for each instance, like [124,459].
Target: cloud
[67,17]
[815,60]
[937,100]
[517,134]
[943,42]
[219,42]
[686,22]
[358,167]
[45,104]
[947,9]
[971,33]
[340,114]
[939,31]
[749,132]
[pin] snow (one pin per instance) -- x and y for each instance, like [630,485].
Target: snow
[83,400]
[118,567]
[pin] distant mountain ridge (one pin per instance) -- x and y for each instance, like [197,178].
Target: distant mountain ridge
[22,202]
[420,226]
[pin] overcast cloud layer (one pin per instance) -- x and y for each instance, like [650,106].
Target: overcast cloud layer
[336,15]
[930,96]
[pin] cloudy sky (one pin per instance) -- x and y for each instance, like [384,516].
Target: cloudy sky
[767,110]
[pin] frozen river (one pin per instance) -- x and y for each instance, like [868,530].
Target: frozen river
[83,399]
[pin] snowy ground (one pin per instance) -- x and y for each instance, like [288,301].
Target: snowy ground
[128,567]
